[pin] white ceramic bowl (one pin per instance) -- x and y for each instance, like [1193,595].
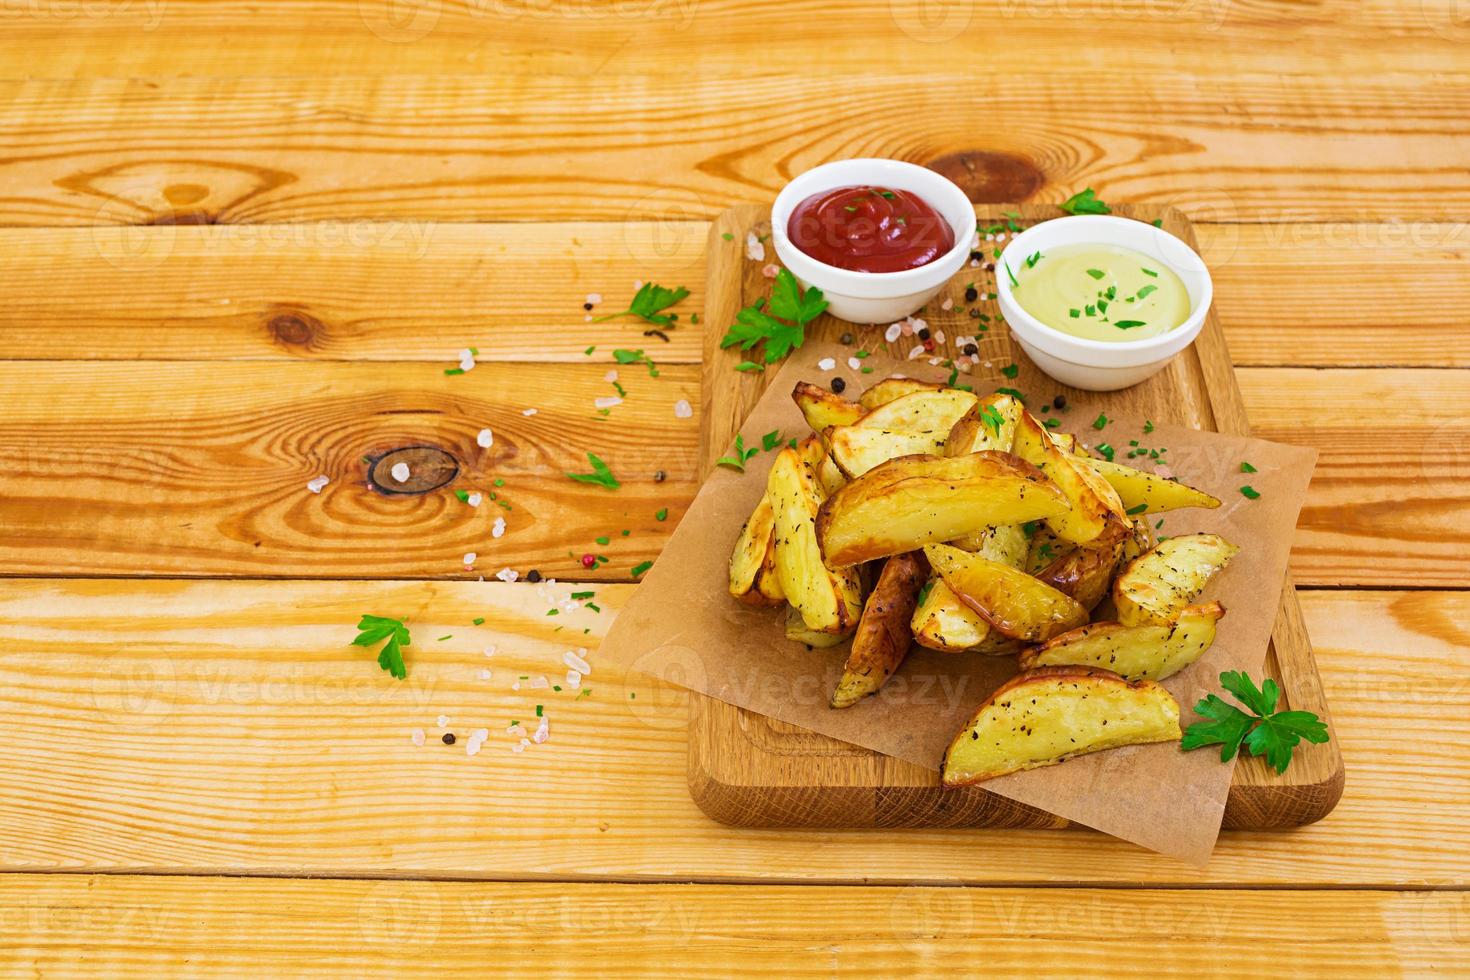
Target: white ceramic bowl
[875,297]
[1097,365]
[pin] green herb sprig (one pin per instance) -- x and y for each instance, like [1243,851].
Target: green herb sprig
[767,323]
[1267,732]
[648,304]
[601,474]
[376,629]
[1086,201]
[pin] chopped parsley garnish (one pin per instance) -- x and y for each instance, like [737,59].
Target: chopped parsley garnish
[1106,450]
[1053,423]
[766,323]
[1266,731]
[737,461]
[1143,291]
[583,595]
[661,514]
[1147,427]
[478,620]
[1032,259]
[749,366]
[641,567]
[373,629]
[602,539]
[648,302]
[463,495]
[1010,370]
[1096,273]
[1075,313]
[1101,422]
[1250,493]
[771,440]
[1136,509]
[727,236]
[1247,468]
[623,356]
[1013,393]
[992,418]
[1130,324]
[1008,270]
[924,592]
[1085,202]
[600,475]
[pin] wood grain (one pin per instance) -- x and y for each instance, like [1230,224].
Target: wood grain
[229,727]
[330,37]
[148,926]
[202,469]
[1287,294]
[1246,147]
[1387,502]
[363,291]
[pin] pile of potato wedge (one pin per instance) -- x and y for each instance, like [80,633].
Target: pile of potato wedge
[927,514]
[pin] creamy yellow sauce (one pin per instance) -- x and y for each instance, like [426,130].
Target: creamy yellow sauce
[1101,292]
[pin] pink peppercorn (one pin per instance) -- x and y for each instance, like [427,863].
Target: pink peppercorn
[589,560]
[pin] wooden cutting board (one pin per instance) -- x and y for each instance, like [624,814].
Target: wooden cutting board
[749,770]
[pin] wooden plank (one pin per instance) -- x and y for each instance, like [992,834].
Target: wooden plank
[192,469]
[1387,504]
[1242,147]
[413,289]
[127,926]
[320,37]
[227,726]
[363,291]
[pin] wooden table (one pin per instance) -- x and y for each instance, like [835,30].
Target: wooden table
[241,245]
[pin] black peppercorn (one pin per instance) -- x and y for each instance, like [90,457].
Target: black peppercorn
[976,256]
[972,349]
[448,738]
[838,386]
[1059,402]
[847,338]
[586,306]
[923,333]
[533,576]
[971,293]
[990,267]
[660,477]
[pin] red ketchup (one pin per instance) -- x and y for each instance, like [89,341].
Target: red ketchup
[869,229]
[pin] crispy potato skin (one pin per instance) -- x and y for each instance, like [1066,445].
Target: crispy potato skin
[822,409]
[856,449]
[1158,584]
[888,389]
[830,601]
[1012,602]
[911,501]
[1149,490]
[1135,652]
[1043,716]
[883,636]
[1084,573]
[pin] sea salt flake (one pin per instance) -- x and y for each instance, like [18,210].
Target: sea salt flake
[854,362]
[418,736]
[576,663]
[826,364]
[482,674]
[498,528]
[543,731]
[538,682]
[574,679]
[473,499]
[472,747]
[485,439]
[918,349]
[607,401]
[518,748]
[441,721]
[894,331]
[400,472]
[770,270]
[515,730]
[755,249]
[469,557]
[611,376]
[594,298]
[507,575]
[948,304]
[315,486]
[682,409]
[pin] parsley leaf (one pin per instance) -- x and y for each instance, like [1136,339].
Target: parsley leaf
[1270,733]
[766,323]
[992,418]
[1100,422]
[625,356]
[648,302]
[1011,370]
[374,629]
[771,440]
[1250,493]
[1086,201]
[1129,324]
[1247,468]
[600,475]
[742,454]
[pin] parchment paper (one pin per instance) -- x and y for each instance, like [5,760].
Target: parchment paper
[682,626]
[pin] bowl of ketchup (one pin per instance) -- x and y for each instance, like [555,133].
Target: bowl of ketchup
[879,238]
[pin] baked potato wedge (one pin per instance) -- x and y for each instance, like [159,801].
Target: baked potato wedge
[1151,652]
[911,501]
[1140,539]
[798,632]
[829,601]
[1096,511]
[991,424]
[1150,491]
[823,409]
[1005,543]
[921,411]
[1157,585]
[1049,714]
[1011,601]
[856,449]
[754,555]
[829,476]
[888,389]
[942,622]
[1085,572]
[883,636]
[1043,548]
